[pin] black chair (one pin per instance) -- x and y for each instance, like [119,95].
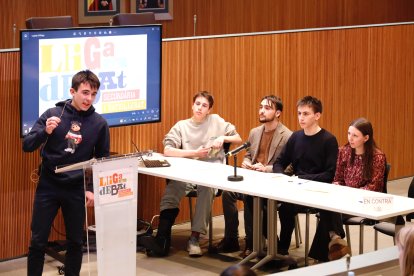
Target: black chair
[298,234]
[193,194]
[389,228]
[49,22]
[410,216]
[347,220]
[142,18]
[298,237]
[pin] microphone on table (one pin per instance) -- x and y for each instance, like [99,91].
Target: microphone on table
[236,177]
[246,145]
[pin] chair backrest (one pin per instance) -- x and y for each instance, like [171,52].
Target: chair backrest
[133,18]
[49,22]
[411,189]
[226,148]
[410,216]
[386,173]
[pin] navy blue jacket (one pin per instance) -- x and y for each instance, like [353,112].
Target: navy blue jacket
[66,146]
[312,157]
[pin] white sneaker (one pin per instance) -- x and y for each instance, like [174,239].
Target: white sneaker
[193,247]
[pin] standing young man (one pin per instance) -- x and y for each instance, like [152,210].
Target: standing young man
[77,121]
[201,137]
[312,152]
[266,143]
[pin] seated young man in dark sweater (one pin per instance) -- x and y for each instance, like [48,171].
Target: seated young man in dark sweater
[312,152]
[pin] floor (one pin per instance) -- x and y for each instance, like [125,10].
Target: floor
[178,262]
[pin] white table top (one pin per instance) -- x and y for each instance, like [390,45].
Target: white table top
[281,188]
[380,262]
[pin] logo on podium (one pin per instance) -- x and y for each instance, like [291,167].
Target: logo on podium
[116,185]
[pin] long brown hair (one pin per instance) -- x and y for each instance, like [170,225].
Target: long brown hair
[365,127]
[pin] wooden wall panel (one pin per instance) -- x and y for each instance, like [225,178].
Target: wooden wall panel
[355,72]
[16,13]
[15,190]
[230,16]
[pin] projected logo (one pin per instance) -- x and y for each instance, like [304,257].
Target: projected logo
[122,75]
[116,185]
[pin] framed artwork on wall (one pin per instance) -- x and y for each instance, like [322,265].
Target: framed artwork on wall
[163,9]
[99,11]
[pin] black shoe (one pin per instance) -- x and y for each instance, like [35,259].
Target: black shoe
[227,246]
[156,247]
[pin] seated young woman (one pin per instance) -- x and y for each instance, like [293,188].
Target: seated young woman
[361,164]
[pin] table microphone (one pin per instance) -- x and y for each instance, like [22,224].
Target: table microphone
[236,177]
[238,149]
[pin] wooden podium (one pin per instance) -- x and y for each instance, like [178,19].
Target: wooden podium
[115,182]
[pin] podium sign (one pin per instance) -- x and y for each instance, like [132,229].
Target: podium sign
[116,185]
[115,188]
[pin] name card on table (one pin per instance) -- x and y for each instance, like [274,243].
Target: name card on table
[378,203]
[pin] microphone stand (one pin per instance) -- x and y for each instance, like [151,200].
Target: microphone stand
[235,177]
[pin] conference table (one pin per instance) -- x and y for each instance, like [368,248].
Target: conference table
[279,187]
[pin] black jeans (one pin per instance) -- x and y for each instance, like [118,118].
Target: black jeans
[231,216]
[329,221]
[248,208]
[49,198]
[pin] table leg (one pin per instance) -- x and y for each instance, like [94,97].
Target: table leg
[271,234]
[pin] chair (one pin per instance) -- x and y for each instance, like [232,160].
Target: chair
[193,194]
[389,228]
[298,237]
[347,220]
[133,18]
[410,216]
[49,22]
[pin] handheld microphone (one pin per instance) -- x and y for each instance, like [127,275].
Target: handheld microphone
[238,149]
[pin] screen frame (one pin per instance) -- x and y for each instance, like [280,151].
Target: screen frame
[21,95]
